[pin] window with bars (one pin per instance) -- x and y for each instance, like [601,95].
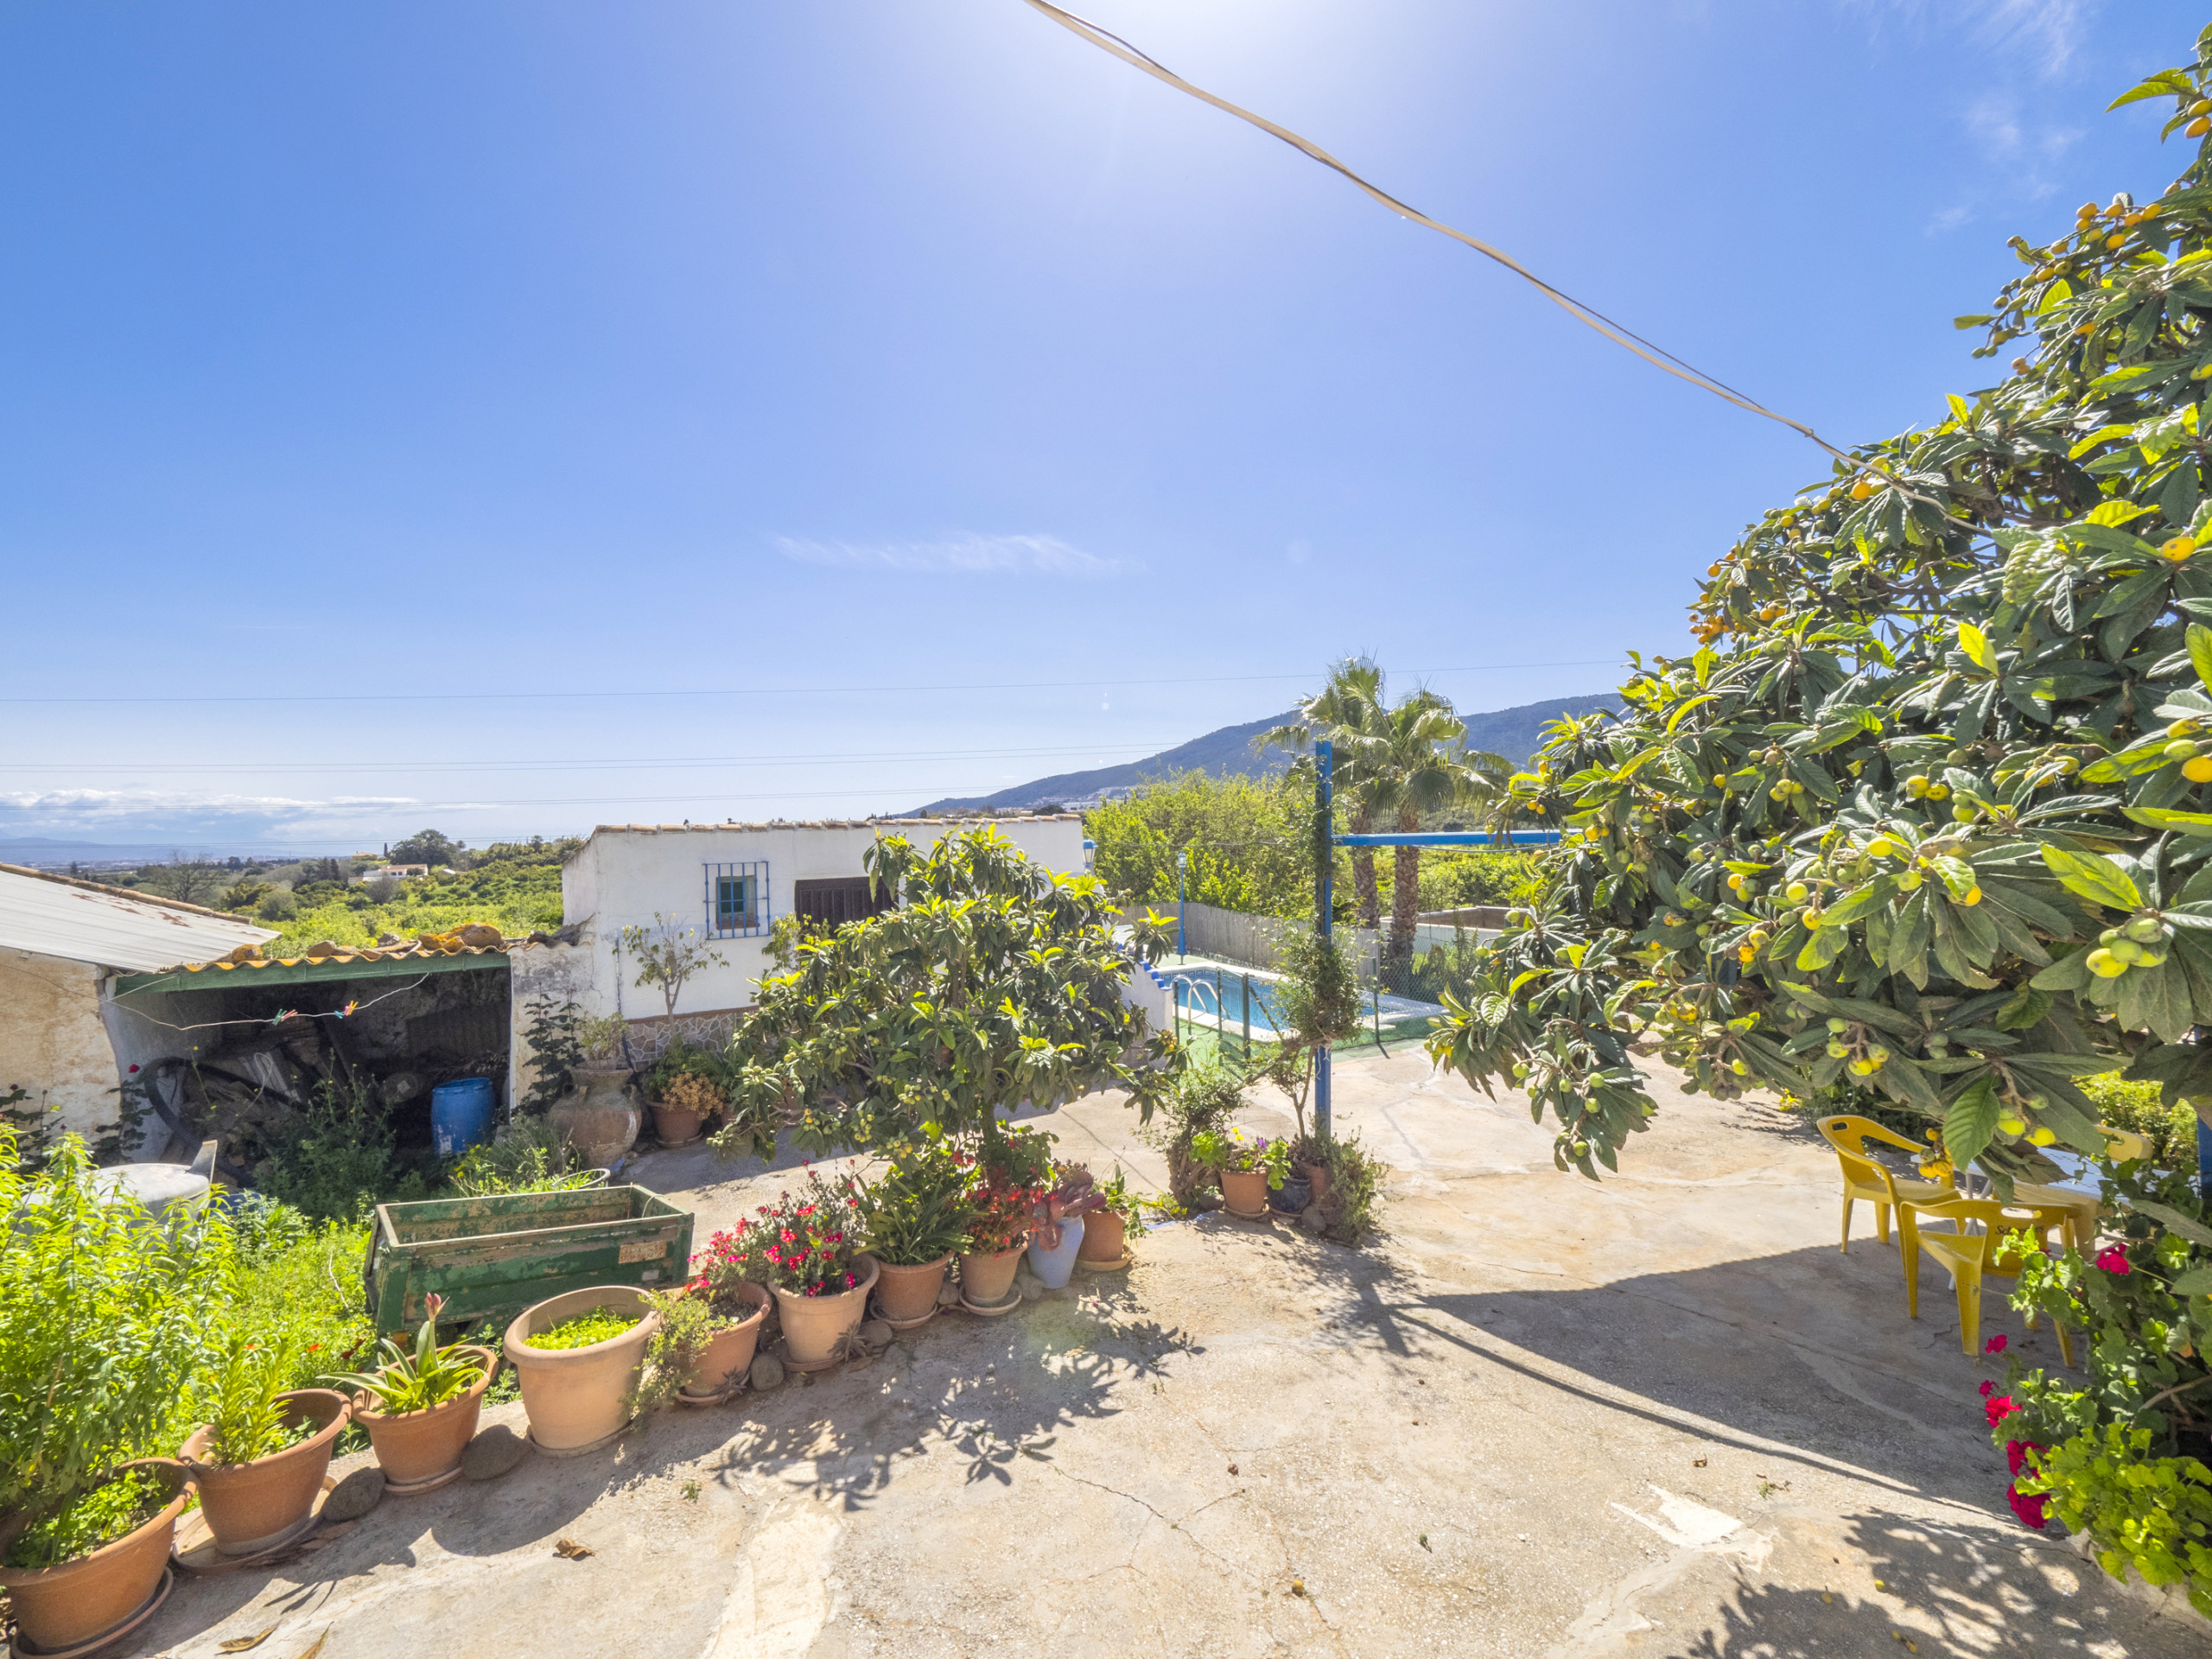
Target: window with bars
[737,900]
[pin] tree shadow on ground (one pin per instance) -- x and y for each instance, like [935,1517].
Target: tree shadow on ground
[1960,1591]
[1808,1350]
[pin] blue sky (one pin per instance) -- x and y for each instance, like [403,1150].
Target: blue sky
[513,417]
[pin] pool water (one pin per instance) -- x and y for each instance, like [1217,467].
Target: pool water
[1206,992]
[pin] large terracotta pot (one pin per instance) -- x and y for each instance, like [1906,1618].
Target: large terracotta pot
[577,1398]
[909,1294]
[987,1280]
[1053,1263]
[415,1448]
[729,1353]
[1105,1236]
[1246,1191]
[66,1606]
[815,1325]
[599,1118]
[677,1126]
[250,1507]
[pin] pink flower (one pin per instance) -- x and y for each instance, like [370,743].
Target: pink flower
[2029,1510]
[2114,1261]
[1997,1409]
[1995,1345]
[2015,1454]
[1986,1389]
[134,1068]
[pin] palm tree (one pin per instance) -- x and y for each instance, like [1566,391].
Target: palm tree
[1347,704]
[1392,763]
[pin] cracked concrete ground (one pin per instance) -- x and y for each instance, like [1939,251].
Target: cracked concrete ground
[1661,1416]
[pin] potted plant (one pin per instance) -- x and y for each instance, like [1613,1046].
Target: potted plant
[914,1217]
[106,1313]
[685,1090]
[1013,1175]
[598,1118]
[1060,1225]
[1119,1217]
[1309,1156]
[709,1331]
[260,1458]
[578,1357]
[1248,1167]
[806,1249]
[426,1401]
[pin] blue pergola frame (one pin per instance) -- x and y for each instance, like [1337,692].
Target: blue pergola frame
[1329,841]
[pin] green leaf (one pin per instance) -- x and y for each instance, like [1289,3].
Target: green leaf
[1970,1123]
[2113,513]
[1975,644]
[1675,719]
[2069,972]
[2200,651]
[1823,948]
[2167,83]
[1972,320]
[2162,817]
[2094,877]
[1856,903]
[2193,1230]
[2197,1282]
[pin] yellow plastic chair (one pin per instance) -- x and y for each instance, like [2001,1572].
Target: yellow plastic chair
[1865,1177]
[1969,1258]
[2084,1210]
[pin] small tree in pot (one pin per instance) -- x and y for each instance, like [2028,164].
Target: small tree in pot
[915,1215]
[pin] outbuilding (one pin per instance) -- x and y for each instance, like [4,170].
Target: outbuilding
[64,945]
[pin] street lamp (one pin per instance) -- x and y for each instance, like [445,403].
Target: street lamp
[1182,899]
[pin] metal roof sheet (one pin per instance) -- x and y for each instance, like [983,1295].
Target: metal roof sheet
[111,927]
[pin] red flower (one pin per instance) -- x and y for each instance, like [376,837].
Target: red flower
[1995,1345]
[134,1068]
[1986,1389]
[1997,1409]
[2029,1510]
[2015,1454]
[2114,1261]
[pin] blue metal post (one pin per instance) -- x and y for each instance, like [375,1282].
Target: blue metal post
[1324,852]
[1182,895]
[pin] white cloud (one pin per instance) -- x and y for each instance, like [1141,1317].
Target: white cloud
[2045,32]
[1950,219]
[962,556]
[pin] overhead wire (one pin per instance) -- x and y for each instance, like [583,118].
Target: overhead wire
[1658,356]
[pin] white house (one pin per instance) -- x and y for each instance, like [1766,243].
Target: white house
[62,944]
[730,882]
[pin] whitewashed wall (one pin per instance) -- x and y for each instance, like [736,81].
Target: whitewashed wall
[620,877]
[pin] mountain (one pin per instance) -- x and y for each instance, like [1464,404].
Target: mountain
[1513,733]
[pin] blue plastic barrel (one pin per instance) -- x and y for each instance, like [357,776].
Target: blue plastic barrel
[460,1115]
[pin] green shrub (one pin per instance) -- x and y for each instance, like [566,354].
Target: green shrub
[2172,1130]
[600,1325]
[1202,1100]
[338,1162]
[298,1287]
[1352,1210]
[105,1316]
[111,1511]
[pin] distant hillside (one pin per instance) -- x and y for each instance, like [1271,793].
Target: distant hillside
[1512,733]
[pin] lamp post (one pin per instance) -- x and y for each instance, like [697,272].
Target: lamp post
[1182,899]
[1324,867]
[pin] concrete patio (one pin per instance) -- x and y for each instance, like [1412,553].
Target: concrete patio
[1661,1416]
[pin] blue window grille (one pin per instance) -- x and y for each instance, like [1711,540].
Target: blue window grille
[737,900]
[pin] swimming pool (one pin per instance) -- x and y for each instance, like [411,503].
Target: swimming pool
[1209,993]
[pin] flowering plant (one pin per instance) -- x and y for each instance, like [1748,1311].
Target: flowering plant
[1074,1191]
[1234,1153]
[720,1268]
[1013,1178]
[805,1244]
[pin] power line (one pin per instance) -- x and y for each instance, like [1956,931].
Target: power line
[759,691]
[641,763]
[1588,316]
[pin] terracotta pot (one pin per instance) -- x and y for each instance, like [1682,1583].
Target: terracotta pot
[414,1447]
[599,1119]
[910,1293]
[1105,1238]
[728,1353]
[1246,1191]
[677,1126]
[1054,1264]
[576,1397]
[987,1280]
[814,1326]
[1318,1175]
[255,1506]
[66,1606]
